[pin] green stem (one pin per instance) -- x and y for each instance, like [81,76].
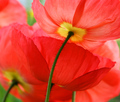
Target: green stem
[73,96]
[14,82]
[53,66]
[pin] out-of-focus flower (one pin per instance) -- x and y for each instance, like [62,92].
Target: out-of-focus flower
[76,68]
[11,11]
[91,21]
[15,66]
[109,87]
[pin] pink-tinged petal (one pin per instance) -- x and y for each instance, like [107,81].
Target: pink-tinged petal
[13,12]
[36,26]
[36,62]
[61,10]
[43,18]
[109,50]
[73,62]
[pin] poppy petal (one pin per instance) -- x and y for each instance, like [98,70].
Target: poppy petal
[104,91]
[93,15]
[34,57]
[43,18]
[80,9]
[88,80]
[61,10]
[72,60]
[109,50]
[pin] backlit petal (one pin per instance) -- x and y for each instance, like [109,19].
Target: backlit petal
[109,50]
[73,62]
[43,18]
[88,80]
[61,10]
[34,57]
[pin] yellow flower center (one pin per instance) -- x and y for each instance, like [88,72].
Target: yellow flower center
[65,28]
[22,86]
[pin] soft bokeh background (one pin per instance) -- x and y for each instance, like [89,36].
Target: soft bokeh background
[31,21]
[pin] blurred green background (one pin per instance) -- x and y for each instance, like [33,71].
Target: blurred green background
[31,20]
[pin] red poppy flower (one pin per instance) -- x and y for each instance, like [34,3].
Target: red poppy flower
[109,87]
[11,11]
[76,68]
[91,21]
[15,66]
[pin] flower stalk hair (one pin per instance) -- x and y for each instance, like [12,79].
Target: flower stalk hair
[53,66]
[14,82]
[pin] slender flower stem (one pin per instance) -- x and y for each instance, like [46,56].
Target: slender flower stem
[14,82]
[73,96]
[53,66]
